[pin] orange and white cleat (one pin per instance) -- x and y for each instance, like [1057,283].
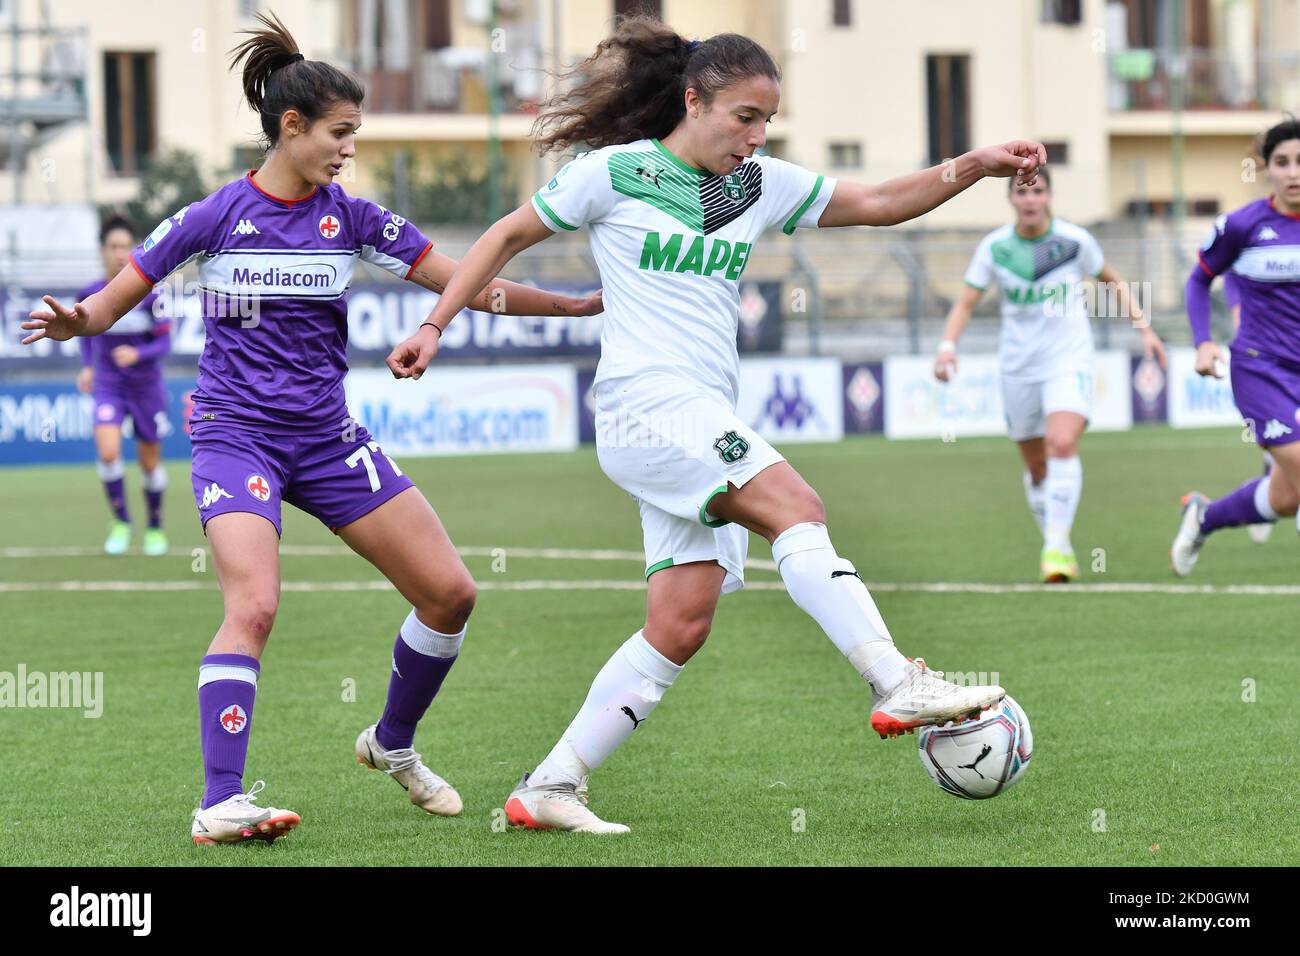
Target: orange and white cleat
[555,807]
[236,819]
[923,697]
[1189,540]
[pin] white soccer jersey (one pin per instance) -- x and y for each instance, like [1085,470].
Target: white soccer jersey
[671,243]
[1045,327]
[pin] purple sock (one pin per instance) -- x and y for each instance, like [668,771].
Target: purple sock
[421,659]
[154,500]
[116,491]
[1237,508]
[227,686]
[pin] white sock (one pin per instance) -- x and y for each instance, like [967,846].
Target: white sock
[1262,506]
[156,480]
[110,470]
[1063,487]
[828,589]
[1036,495]
[633,680]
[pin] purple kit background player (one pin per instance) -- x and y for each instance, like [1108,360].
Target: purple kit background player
[1260,244]
[275,251]
[122,370]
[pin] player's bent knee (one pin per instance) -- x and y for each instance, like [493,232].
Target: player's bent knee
[451,605]
[1060,448]
[253,618]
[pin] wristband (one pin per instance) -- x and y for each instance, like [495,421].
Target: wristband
[947,346]
[438,327]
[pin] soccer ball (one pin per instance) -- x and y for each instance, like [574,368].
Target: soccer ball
[979,758]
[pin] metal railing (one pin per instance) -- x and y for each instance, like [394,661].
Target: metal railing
[1145,79]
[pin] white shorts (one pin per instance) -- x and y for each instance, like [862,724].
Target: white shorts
[1027,404]
[672,447]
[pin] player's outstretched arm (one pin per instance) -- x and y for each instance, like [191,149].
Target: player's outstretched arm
[906,197]
[435,270]
[93,316]
[504,240]
[945,362]
[1131,310]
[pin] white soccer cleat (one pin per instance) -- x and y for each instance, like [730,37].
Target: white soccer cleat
[1187,543]
[555,807]
[427,790]
[236,819]
[923,697]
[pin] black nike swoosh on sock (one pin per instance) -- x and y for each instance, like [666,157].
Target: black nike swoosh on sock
[836,574]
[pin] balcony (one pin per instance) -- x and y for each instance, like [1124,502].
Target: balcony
[1142,80]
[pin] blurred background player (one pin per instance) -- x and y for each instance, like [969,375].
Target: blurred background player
[1261,531]
[1045,353]
[276,250]
[123,370]
[675,195]
[1260,244]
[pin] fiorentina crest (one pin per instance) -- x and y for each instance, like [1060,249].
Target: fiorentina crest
[731,447]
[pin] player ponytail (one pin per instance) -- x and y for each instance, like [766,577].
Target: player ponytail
[632,87]
[1289,128]
[277,78]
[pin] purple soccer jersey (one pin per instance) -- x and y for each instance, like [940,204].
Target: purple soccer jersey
[1262,248]
[272,273]
[136,391]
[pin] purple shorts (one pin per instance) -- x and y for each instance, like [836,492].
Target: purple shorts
[146,405]
[1267,392]
[336,481]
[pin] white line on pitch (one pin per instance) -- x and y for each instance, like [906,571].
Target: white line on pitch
[915,587]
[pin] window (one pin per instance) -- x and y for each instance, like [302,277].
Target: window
[846,155]
[129,111]
[1058,154]
[842,13]
[639,8]
[947,82]
[1060,11]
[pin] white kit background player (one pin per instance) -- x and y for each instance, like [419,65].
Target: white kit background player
[673,195]
[1045,354]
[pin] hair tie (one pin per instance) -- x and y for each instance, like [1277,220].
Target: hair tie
[692,46]
[295,57]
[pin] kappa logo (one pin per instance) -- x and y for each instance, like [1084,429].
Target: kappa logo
[731,447]
[234,719]
[1266,233]
[257,486]
[212,494]
[1275,429]
[245,227]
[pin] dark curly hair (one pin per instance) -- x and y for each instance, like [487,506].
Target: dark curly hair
[632,87]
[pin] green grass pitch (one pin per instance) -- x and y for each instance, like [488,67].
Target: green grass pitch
[1165,723]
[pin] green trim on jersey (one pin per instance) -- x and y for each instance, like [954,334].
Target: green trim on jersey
[551,212]
[704,509]
[681,164]
[665,563]
[981,288]
[642,176]
[788,228]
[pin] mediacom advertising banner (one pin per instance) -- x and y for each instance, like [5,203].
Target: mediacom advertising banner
[1195,401]
[917,405]
[51,422]
[792,399]
[466,411]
